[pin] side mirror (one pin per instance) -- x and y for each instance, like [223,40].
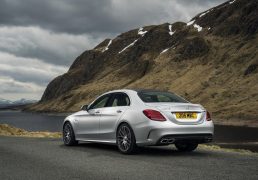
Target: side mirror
[84,107]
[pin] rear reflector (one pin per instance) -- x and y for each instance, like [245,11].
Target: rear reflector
[208,116]
[154,115]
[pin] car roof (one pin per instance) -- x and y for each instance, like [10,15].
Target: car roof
[148,90]
[139,90]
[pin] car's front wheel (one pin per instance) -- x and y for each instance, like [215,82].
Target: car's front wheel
[186,146]
[125,139]
[68,135]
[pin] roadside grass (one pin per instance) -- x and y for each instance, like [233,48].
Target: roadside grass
[7,130]
[230,150]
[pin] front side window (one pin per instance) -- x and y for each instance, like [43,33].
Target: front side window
[156,96]
[120,99]
[100,102]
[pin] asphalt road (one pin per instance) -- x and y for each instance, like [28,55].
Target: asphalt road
[34,158]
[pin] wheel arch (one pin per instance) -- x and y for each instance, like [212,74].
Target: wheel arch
[72,124]
[67,121]
[128,123]
[123,122]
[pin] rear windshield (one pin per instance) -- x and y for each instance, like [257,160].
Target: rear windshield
[153,97]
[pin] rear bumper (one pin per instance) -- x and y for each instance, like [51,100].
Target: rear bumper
[153,133]
[197,138]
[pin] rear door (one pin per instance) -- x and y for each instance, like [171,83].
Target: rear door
[110,115]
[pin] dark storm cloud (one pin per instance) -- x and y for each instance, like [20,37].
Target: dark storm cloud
[27,69]
[50,47]
[73,16]
[97,16]
[39,39]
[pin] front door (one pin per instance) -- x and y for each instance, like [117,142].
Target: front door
[88,123]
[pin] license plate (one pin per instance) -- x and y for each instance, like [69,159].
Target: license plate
[186,115]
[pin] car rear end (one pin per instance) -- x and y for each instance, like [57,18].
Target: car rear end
[181,122]
[172,122]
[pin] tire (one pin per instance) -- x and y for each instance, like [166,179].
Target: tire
[125,139]
[68,135]
[186,147]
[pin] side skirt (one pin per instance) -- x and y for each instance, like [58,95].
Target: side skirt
[97,141]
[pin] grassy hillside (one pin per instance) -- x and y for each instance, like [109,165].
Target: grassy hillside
[213,60]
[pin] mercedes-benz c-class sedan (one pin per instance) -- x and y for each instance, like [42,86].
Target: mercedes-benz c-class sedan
[131,118]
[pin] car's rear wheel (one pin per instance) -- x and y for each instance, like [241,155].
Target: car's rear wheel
[186,146]
[125,139]
[68,135]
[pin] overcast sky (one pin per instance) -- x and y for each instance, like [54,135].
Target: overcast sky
[39,39]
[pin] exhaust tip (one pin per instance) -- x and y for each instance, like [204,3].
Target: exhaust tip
[170,141]
[164,141]
[167,141]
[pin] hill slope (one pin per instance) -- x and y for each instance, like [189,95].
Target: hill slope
[212,60]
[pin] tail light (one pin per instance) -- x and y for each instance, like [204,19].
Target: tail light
[154,115]
[208,116]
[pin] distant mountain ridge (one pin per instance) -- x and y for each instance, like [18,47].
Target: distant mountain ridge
[8,103]
[212,60]
[5,101]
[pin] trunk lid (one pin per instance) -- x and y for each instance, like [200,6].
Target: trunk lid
[171,110]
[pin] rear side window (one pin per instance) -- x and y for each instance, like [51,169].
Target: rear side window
[120,99]
[156,96]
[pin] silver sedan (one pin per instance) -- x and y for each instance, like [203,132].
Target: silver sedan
[130,118]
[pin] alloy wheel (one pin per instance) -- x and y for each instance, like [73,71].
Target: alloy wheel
[124,138]
[67,133]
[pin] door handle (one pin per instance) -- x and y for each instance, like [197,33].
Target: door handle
[97,112]
[118,111]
